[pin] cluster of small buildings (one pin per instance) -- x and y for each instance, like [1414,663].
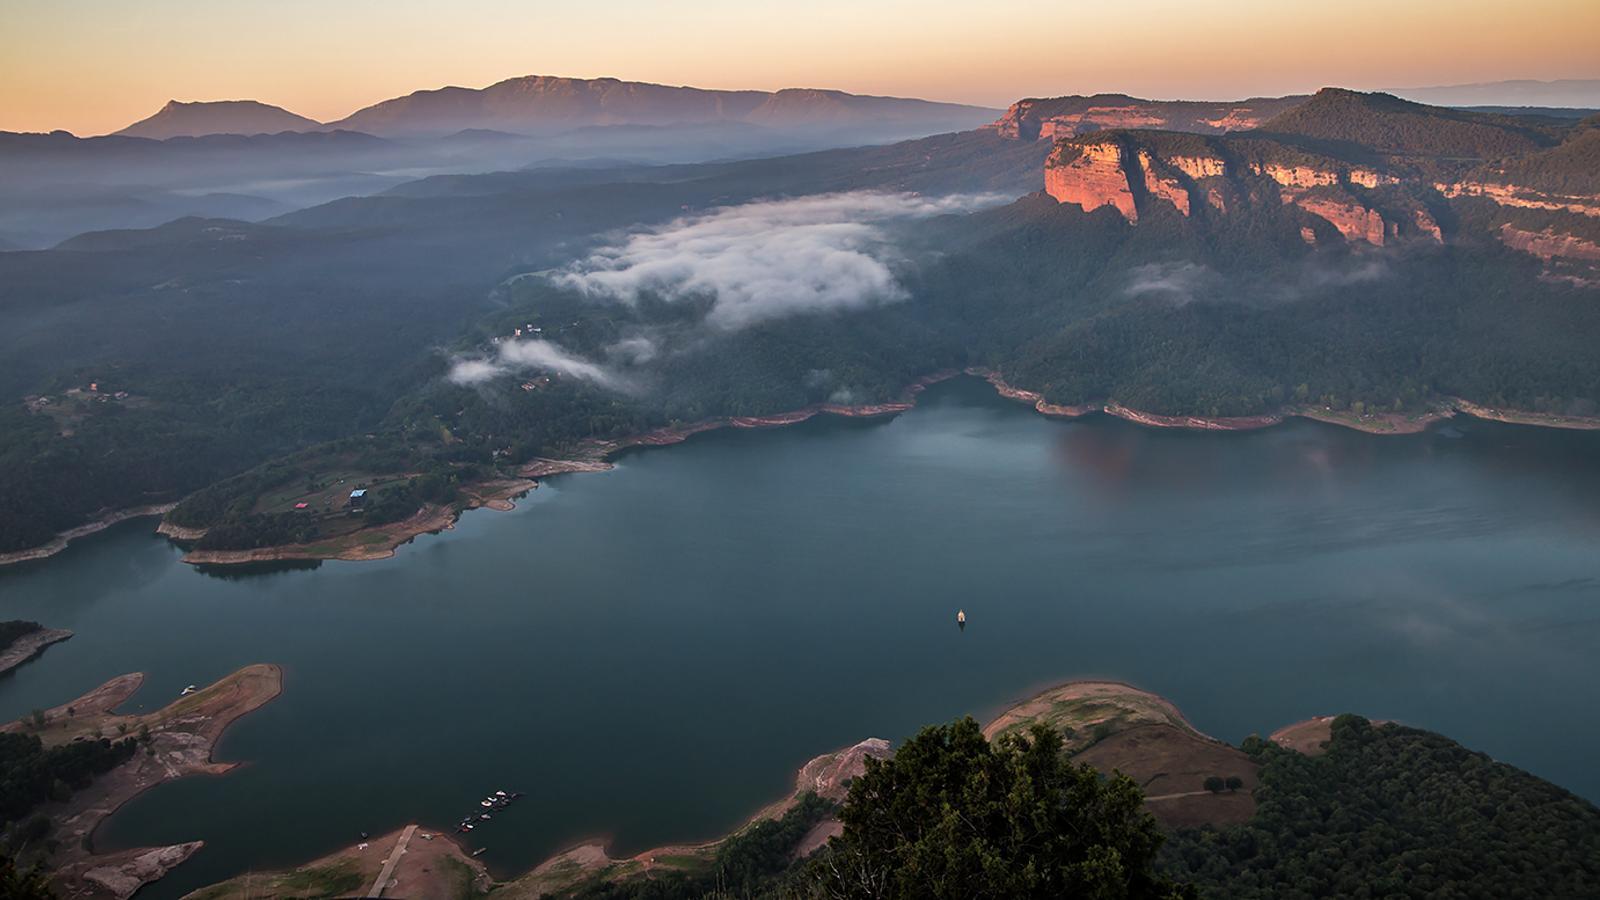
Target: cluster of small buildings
[37,403]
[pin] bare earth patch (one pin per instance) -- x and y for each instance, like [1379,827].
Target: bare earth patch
[1310,737]
[1172,765]
[1117,727]
[1086,711]
[432,867]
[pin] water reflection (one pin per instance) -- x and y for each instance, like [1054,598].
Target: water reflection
[258,569]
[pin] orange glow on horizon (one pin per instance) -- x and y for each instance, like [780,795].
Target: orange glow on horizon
[92,67]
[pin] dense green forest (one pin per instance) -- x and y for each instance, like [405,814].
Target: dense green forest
[1388,124]
[952,815]
[1390,811]
[31,774]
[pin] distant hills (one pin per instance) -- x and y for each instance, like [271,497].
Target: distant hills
[178,119]
[1388,124]
[537,103]
[1568,92]
[541,104]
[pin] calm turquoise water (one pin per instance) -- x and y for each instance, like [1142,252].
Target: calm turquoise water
[649,653]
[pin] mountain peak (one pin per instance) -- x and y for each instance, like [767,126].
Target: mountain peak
[178,118]
[543,103]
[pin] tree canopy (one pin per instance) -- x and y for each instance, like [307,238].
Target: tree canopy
[953,815]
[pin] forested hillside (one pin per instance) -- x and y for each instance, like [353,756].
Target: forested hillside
[1397,812]
[1317,267]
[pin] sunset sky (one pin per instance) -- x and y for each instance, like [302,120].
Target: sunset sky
[92,66]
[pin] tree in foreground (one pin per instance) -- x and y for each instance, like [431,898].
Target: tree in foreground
[951,815]
[29,885]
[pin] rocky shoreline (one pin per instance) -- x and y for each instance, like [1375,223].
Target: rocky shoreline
[1110,725]
[1370,423]
[30,646]
[594,455]
[62,539]
[181,737]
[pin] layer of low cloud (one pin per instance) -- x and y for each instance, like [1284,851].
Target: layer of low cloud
[541,355]
[764,260]
[1176,282]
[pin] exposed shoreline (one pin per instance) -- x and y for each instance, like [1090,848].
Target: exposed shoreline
[181,737]
[595,455]
[1370,423]
[29,646]
[497,494]
[62,539]
[1102,713]
[590,455]
[1374,423]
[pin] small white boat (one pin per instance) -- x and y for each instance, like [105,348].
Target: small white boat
[485,803]
[187,691]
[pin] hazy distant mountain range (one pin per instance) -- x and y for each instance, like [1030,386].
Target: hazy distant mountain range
[541,104]
[537,104]
[178,119]
[1568,92]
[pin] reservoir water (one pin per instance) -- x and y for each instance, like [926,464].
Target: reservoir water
[649,653]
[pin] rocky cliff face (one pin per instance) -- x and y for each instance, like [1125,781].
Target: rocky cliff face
[1550,244]
[1133,173]
[1362,168]
[1091,175]
[1523,197]
[1137,173]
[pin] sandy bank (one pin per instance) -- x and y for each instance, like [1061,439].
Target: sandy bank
[1519,417]
[179,532]
[62,539]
